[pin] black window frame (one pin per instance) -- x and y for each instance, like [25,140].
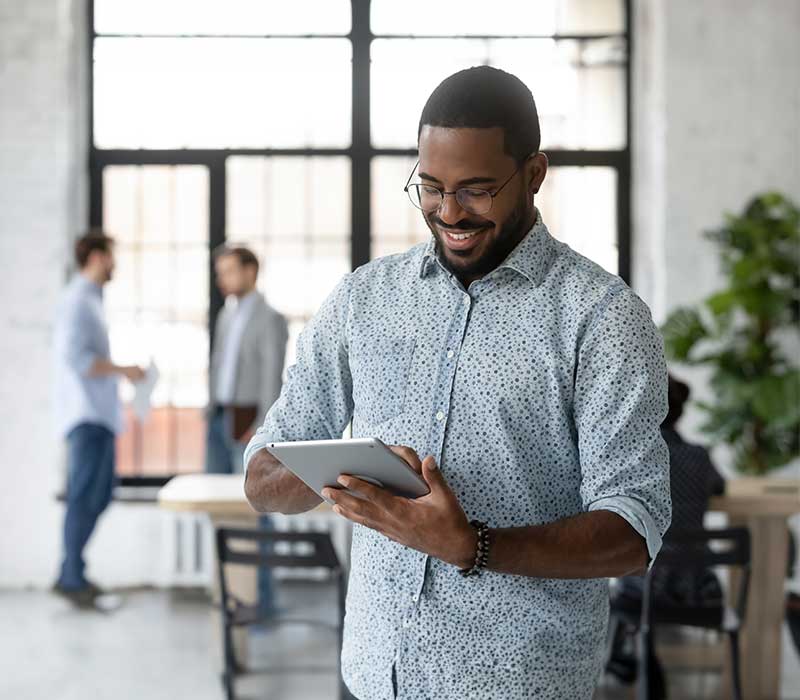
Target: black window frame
[360,152]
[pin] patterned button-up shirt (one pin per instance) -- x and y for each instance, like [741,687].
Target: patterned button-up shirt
[540,391]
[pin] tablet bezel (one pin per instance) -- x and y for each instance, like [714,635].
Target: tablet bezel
[315,463]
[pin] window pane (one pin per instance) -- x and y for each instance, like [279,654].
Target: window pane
[294,213]
[502,17]
[579,86]
[171,442]
[590,226]
[222,93]
[590,17]
[157,307]
[397,225]
[218,17]
[465,17]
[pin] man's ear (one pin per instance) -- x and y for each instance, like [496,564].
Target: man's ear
[535,171]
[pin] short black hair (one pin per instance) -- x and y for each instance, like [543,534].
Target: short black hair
[677,395]
[245,256]
[483,97]
[90,242]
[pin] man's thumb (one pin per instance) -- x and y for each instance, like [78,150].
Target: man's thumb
[431,473]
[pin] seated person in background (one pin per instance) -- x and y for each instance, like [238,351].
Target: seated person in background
[693,480]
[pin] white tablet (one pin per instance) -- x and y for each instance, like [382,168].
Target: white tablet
[320,462]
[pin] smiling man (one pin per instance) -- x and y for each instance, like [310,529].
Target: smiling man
[527,386]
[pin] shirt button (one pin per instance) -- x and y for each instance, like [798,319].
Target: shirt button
[439,415]
[450,354]
[415,598]
[466,301]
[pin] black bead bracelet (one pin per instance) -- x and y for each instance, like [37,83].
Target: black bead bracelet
[482,550]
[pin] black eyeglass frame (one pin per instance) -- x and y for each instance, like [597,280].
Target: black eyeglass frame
[454,193]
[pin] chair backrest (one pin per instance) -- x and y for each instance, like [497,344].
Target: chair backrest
[300,549]
[692,550]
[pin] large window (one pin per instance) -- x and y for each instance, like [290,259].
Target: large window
[291,127]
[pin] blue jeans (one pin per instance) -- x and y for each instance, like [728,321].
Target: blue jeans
[90,483]
[224,455]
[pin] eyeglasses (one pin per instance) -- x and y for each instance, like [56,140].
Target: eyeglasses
[471,199]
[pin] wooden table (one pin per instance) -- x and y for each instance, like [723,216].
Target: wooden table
[763,505]
[219,495]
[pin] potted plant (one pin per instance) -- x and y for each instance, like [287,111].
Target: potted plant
[749,336]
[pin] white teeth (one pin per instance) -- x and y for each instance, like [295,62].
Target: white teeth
[461,236]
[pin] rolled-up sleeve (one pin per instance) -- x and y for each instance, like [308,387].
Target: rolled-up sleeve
[316,401]
[620,403]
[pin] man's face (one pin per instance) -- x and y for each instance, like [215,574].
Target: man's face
[232,277]
[105,263]
[453,158]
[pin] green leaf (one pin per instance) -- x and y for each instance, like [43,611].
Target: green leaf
[722,303]
[682,330]
[776,399]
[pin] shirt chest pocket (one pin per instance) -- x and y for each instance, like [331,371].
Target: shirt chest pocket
[380,368]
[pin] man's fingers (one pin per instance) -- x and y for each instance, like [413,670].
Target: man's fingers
[353,516]
[432,475]
[352,503]
[408,455]
[369,491]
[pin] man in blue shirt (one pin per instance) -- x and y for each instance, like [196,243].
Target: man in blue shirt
[87,407]
[525,383]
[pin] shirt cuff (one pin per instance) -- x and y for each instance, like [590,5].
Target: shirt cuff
[257,442]
[637,516]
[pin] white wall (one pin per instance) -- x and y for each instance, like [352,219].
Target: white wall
[43,204]
[717,119]
[41,189]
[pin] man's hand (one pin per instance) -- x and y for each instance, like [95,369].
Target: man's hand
[132,373]
[102,368]
[434,524]
[246,436]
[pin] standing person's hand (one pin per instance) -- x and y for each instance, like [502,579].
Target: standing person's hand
[434,524]
[133,373]
[246,436]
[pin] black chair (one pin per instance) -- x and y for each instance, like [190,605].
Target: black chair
[303,550]
[691,551]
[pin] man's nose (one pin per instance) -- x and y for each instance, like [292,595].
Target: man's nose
[451,212]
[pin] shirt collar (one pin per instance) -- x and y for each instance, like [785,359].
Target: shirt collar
[531,258]
[85,284]
[241,303]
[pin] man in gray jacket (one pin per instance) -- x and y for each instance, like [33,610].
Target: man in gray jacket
[246,360]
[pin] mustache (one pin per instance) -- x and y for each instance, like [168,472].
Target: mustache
[460,226]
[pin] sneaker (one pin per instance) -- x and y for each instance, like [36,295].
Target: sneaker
[82,598]
[94,588]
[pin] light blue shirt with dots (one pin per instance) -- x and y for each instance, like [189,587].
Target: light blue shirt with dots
[540,391]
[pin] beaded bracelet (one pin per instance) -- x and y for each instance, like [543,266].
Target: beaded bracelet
[482,551]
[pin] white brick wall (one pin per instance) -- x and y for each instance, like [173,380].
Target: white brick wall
[42,186]
[717,108]
[716,115]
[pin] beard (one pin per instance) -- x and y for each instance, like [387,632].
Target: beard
[510,234]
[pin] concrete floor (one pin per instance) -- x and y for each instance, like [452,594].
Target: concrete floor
[161,645]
